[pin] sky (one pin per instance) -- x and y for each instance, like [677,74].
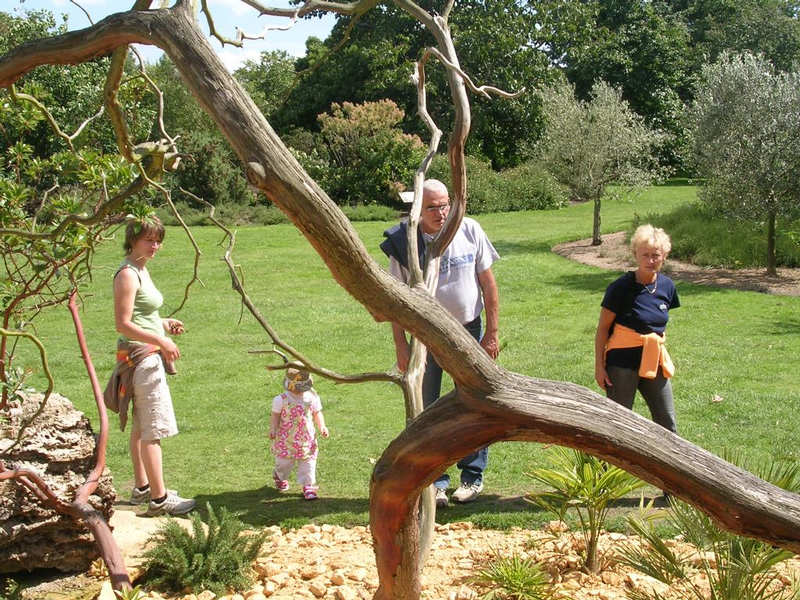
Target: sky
[227,14]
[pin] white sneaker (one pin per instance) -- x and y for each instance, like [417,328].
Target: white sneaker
[441,498]
[171,505]
[467,492]
[143,497]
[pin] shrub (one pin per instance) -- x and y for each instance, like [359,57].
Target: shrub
[514,578]
[215,558]
[526,187]
[366,152]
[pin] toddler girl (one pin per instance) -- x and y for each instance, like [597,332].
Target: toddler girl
[294,414]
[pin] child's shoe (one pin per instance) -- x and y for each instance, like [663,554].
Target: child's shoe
[310,492]
[281,484]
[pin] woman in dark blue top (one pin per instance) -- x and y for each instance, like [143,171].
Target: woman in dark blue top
[637,306]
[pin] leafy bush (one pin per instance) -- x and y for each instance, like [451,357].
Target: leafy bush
[215,558]
[514,578]
[363,154]
[703,237]
[526,187]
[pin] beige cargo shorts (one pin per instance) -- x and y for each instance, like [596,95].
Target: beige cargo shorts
[153,413]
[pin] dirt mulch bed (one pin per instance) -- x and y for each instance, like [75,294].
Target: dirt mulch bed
[614,254]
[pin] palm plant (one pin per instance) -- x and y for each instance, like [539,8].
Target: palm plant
[514,578]
[588,485]
[735,567]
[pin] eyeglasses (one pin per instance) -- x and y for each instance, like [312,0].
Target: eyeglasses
[441,208]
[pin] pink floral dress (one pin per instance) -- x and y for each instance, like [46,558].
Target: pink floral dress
[296,437]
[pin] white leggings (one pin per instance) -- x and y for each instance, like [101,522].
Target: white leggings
[306,469]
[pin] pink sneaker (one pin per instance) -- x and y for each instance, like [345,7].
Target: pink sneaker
[280,484]
[310,492]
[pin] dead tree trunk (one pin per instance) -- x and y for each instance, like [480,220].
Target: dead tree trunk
[490,404]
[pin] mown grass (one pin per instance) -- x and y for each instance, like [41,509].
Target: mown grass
[741,346]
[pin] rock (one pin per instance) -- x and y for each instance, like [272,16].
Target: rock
[266,568]
[269,588]
[345,593]
[645,583]
[358,574]
[317,587]
[58,445]
[338,578]
[107,592]
[206,595]
[256,596]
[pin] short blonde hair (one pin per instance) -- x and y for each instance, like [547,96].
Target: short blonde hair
[655,237]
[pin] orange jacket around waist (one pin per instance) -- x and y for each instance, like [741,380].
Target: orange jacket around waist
[654,353]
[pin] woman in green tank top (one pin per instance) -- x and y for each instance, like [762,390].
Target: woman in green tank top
[143,335]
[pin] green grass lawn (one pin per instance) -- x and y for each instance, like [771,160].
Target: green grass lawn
[742,346]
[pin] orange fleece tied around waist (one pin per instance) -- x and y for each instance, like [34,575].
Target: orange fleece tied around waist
[654,354]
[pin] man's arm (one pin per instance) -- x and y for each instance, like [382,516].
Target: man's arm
[491,302]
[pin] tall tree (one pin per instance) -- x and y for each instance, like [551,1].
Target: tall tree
[591,144]
[746,120]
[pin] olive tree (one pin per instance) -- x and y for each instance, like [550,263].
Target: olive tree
[488,403]
[746,125]
[591,144]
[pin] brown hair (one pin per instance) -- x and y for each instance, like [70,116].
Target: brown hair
[138,228]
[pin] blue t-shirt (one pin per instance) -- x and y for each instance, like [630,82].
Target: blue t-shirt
[643,308]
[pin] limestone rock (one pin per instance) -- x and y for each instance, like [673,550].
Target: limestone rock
[58,445]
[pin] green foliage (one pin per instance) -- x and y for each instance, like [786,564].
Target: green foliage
[215,557]
[268,82]
[746,127]
[589,145]
[366,155]
[10,590]
[526,187]
[702,236]
[587,484]
[736,568]
[212,171]
[514,578]
[134,593]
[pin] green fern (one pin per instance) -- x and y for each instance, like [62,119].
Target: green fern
[216,557]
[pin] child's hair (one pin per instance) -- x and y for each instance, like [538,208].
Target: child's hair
[297,380]
[138,228]
[655,237]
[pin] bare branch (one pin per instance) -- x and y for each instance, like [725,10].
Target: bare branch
[484,90]
[88,16]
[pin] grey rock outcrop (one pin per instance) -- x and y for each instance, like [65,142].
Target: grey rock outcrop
[59,446]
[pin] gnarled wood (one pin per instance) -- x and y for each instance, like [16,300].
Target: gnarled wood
[490,404]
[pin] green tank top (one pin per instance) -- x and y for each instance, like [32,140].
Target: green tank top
[146,302]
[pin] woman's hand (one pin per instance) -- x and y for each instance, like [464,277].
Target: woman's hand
[169,350]
[601,377]
[173,326]
[323,431]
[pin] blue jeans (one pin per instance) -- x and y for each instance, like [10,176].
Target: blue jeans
[473,465]
[656,392]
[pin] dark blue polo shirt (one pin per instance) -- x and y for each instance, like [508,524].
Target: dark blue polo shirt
[643,308]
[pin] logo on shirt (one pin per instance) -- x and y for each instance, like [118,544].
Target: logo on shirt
[456,262]
[662,306]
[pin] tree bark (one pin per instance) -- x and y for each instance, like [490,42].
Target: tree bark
[596,239]
[490,404]
[772,265]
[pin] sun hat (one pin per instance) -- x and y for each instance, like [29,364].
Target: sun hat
[297,380]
